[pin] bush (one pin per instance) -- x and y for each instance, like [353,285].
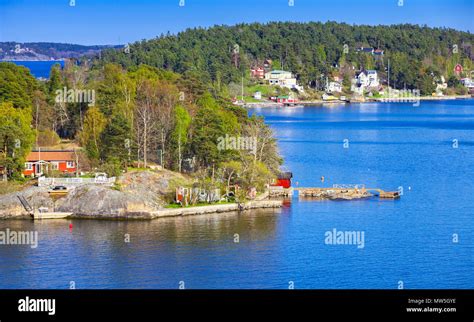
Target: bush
[461,90]
[112,167]
[8,187]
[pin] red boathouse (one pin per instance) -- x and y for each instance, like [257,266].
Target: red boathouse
[283,180]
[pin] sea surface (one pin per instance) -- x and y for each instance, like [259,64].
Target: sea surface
[424,240]
[39,68]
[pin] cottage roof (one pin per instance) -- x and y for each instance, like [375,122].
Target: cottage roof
[285,175]
[51,155]
[278,71]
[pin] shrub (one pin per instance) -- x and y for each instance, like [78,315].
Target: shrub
[112,167]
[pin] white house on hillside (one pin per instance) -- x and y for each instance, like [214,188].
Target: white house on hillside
[334,87]
[368,79]
[282,78]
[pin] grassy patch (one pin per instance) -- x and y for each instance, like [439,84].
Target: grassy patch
[249,99]
[266,90]
[130,169]
[88,175]
[9,186]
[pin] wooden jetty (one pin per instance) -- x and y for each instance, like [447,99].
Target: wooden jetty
[38,214]
[279,191]
[388,194]
[346,192]
[41,213]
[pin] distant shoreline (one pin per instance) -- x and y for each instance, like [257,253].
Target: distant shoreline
[371,100]
[30,60]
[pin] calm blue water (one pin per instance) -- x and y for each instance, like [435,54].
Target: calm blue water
[39,68]
[408,240]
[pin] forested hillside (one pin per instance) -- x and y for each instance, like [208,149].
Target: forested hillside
[221,54]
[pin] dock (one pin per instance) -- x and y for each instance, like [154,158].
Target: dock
[37,214]
[42,212]
[346,192]
[278,191]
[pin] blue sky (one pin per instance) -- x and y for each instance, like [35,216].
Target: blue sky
[120,21]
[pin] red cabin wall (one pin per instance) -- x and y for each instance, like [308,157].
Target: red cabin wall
[285,183]
[28,172]
[62,167]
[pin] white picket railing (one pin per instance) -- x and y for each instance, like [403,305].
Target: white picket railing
[43,181]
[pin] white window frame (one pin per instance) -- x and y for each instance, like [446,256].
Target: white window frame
[54,165]
[29,166]
[70,164]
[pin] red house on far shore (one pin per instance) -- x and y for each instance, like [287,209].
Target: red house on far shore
[258,72]
[284,99]
[38,162]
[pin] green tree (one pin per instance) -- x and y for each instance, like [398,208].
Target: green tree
[16,139]
[55,82]
[179,135]
[90,136]
[17,85]
[116,141]
[208,126]
[453,81]
[402,72]
[426,85]
[231,170]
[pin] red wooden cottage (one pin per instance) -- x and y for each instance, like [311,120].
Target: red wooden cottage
[285,99]
[39,162]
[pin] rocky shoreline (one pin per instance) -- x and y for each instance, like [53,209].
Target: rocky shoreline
[188,211]
[142,195]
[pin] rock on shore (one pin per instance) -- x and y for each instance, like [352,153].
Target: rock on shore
[140,191]
[139,195]
[10,206]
